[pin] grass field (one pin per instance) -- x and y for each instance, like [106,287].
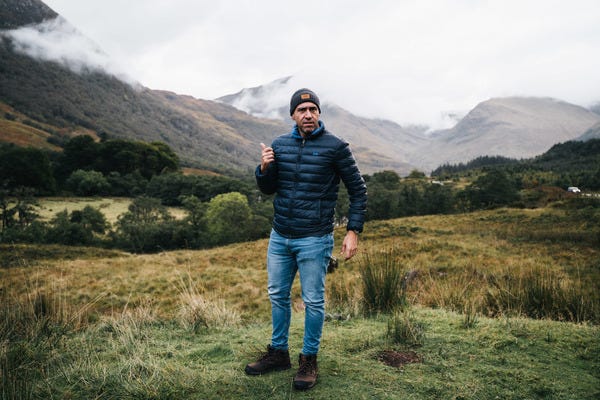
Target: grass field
[88,323]
[111,207]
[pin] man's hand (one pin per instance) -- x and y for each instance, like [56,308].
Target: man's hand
[267,157]
[350,245]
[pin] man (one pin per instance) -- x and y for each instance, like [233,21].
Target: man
[304,169]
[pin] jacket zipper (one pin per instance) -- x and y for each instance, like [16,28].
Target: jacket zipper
[296,174]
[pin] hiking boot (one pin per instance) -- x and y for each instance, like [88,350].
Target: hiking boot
[308,370]
[272,360]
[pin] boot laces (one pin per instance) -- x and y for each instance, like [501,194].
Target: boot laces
[270,355]
[306,366]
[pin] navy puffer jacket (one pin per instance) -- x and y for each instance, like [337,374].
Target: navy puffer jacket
[305,177]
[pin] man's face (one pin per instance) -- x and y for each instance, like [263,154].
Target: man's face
[306,116]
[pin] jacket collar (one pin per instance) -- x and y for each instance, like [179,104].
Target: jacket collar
[315,133]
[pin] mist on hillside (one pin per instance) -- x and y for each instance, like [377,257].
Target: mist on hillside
[56,40]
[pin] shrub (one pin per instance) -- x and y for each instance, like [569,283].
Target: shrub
[402,328]
[383,282]
[148,227]
[35,232]
[78,227]
[88,183]
[228,218]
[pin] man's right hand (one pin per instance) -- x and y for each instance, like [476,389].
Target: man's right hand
[267,157]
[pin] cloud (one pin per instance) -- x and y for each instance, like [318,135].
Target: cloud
[413,62]
[58,41]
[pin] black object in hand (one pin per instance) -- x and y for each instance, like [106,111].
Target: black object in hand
[333,264]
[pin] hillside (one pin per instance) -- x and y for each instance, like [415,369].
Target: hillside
[515,127]
[18,129]
[511,127]
[16,13]
[45,101]
[592,133]
[378,144]
[572,163]
[205,134]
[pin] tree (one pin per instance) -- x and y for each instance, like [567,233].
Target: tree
[19,219]
[26,167]
[146,210]
[6,212]
[80,152]
[341,207]
[416,174]
[126,156]
[492,189]
[194,228]
[88,183]
[594,182]
[77,227]
[91,219]
[388,179]
[146,227]
[228,218]
[383,203]
[410,200]
[437,199]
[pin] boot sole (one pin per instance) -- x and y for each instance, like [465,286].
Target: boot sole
[253,372]
[304,385]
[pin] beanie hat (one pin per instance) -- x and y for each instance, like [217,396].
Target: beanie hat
[301,96]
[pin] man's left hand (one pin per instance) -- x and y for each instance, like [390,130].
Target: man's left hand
[350,245]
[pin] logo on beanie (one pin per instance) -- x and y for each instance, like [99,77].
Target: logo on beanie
[305,96]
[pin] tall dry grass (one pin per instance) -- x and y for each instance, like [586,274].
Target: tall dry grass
[199,311]
[503,262]
[542,293]
[32,328]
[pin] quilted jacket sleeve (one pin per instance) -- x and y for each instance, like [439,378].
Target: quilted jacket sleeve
[267,182]
[355,184]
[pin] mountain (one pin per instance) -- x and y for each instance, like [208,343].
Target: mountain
[61,102]
[515,127]
[45,100]
[48,100]
[377,144]
[16,13]
[592,133]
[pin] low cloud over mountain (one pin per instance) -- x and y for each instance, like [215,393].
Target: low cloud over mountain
[55,76]
[514,127]
[58,41]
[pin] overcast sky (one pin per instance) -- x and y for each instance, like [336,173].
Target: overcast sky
[409,61]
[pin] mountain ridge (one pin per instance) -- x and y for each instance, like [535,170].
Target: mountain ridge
[17,13]
[224,135]
[515,127]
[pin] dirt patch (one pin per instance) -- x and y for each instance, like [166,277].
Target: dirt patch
[398,358]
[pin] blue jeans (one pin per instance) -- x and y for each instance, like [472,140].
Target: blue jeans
[309,256]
